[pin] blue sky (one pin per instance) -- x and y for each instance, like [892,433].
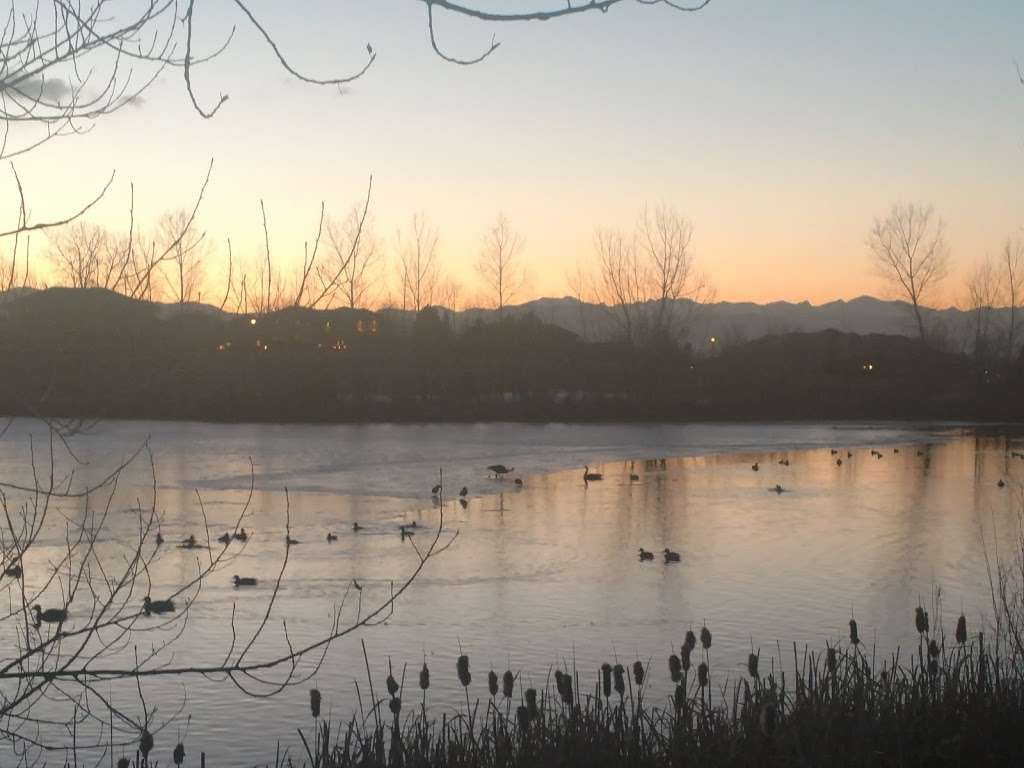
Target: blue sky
[780,128]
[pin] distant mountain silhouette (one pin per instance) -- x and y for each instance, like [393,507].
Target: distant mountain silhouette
[93,353]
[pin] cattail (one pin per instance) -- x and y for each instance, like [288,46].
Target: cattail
[705,637]
[179,754]
[146,743]
[933,649]
[123,762]
[831,661]
[314,700]
[395,704]
[686,658]
[619,674]
[508,681]
[559,681]
[567,689]
[691,640]
[606,679]
[921,620]
[462,665]
[531,703]
[961,630]
[675,668]
[769,718]
[424,677]
[752,664]
[523,717]
[933,667]
[679,699]
[492,683]
[702,674]
[638,673]
[392,686]
[854,637]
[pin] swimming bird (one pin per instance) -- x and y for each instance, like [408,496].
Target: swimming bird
[435,490]
[189,543]
[500,469]
[356,526]
[633,477]
[50,615]
[464,491]
[1001,483]
[519,481]
[920,453]
[895,450]
[159,538]
[288,540]
[225,539]
[645,555]
[588,475]
[839,462]
[755,466]
[849,454]
[13,570]
[331,536]
[464,503]
[406,532]
[784,462]
[357,585]
[244,581]
[834,451]
[241,535]
[670,556]
[157,606]
[778,488]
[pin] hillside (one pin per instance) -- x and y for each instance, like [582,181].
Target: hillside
[95,353]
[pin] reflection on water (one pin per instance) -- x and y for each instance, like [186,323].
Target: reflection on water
[548,572]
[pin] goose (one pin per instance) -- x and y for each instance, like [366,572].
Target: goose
[435,490]
[331,536]
[157,606]
[244,581]
[755,466]
[464,491]
[588,475]
[356,526]
[225,539]
[500,469]
[50,615]
[14,571]
[670,556]
[645,555]
[241,535]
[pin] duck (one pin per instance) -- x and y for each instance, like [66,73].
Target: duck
[920,453]
[839,462]
[645,555]
[159,538]
[406,532]
[833,451]
[463,503]
[519,481]
[777,489]
[895,450]
[157,606]
[500,469]
[13,570]
[849,454]
[1001,483]
[356,526]
[633,476]
[189,543]
[288,540]
[225,539]
[784,462]
[241,535]
[756,466]
[50,615]
[670,556]
[331,536]
[244,581]
[435,490]
[588,475]
[464,491]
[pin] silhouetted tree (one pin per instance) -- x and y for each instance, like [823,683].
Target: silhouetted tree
[418,264]
[982,297]
[910,251]
[499,263]
[1012,266]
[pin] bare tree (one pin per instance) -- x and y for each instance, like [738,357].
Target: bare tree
[499,263]
[357,256]
[982,297]
[81,255]
[186,248]
[418,264]
[1012,264]
[910,251]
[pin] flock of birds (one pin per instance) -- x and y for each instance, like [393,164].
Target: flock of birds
[158,607]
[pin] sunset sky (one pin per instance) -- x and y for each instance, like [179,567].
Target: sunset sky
[780,128]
